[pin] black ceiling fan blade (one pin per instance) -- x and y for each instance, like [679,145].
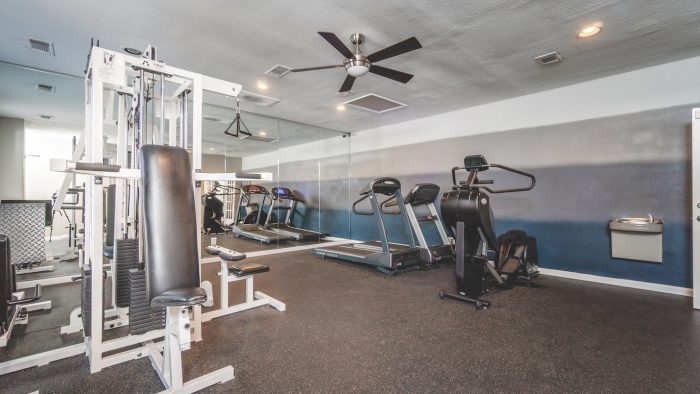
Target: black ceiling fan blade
[298,70]
[400,48]
[390,73]
[347,85]
[337,44]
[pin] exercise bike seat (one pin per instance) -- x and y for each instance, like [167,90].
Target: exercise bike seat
[246,269]
[184,296]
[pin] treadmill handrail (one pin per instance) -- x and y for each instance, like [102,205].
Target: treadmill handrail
[354,206]
[389,202]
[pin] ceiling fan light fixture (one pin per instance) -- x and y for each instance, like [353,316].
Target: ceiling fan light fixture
[357,67]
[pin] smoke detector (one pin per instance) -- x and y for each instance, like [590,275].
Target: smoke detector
[548,59]
[43,47]
[278,71]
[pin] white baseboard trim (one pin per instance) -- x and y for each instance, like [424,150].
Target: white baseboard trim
[56,238]
[619,282]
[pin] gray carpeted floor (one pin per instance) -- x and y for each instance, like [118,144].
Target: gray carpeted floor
[348,328]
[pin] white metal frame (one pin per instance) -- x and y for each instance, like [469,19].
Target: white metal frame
[695,208]
[179,331]
[253,299]
[16,320]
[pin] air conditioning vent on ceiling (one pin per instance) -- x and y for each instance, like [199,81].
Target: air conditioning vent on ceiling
[45,88]
[278,71]
[41,46]
[258,99]
[375,103]
[47,117]
[548,59]
[257,137]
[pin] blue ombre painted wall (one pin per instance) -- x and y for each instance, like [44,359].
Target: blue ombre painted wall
[614,147]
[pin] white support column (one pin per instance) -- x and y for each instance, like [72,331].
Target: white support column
[94,215]
[197,101]
[695,209]
[171,116]
[223,282]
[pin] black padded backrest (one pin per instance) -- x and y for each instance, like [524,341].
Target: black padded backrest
[172,259]
[111,202]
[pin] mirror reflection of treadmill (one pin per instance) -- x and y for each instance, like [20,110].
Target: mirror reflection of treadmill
[387,257]
[282,194]
[255,231]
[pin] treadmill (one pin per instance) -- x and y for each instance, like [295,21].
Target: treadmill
[387,257]
[281,194]
[424,194]
[255,231]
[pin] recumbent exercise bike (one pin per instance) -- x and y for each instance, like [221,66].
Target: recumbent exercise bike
[484,261]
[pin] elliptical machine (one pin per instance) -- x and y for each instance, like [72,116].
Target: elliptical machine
[484,261]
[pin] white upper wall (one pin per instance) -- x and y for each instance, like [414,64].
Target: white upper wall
[663,86]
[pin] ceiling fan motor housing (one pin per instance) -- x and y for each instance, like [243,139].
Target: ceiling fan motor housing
[357,66]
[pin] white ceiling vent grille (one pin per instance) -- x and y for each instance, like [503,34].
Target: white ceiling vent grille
[548,59]
[375,103]
[258,99]
[41,46]
[45,88]
[259,137]
[278,71]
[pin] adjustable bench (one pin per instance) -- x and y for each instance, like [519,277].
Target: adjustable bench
[234,273]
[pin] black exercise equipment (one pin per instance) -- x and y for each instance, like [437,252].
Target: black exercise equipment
[424,195]
[388,257]
[280,195]
[213,220]
[484,261]
[251,225]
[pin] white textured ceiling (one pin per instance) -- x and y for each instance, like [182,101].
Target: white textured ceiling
[473,51]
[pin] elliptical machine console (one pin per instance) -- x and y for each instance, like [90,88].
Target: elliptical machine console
[483,260]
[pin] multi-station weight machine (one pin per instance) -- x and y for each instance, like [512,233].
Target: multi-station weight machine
[148,102]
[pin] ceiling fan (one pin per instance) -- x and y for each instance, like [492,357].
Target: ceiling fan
[358,64]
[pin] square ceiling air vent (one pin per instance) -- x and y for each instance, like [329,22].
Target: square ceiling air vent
[259,136]
[258,99]
[548,59]
[44,88]
[375,103]
[41,46]
[278,71]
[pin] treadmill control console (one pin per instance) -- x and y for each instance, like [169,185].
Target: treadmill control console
[254,189]
[475,162]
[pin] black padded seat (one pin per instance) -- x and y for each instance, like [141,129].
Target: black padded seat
[246,269]
[185,296]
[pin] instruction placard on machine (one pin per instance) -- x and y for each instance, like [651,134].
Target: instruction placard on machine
[112,69]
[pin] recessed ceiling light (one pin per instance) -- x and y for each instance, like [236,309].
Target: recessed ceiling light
[132,51]
[262,132]
[340,107]
[262,85]
[590,30]
[212,149]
